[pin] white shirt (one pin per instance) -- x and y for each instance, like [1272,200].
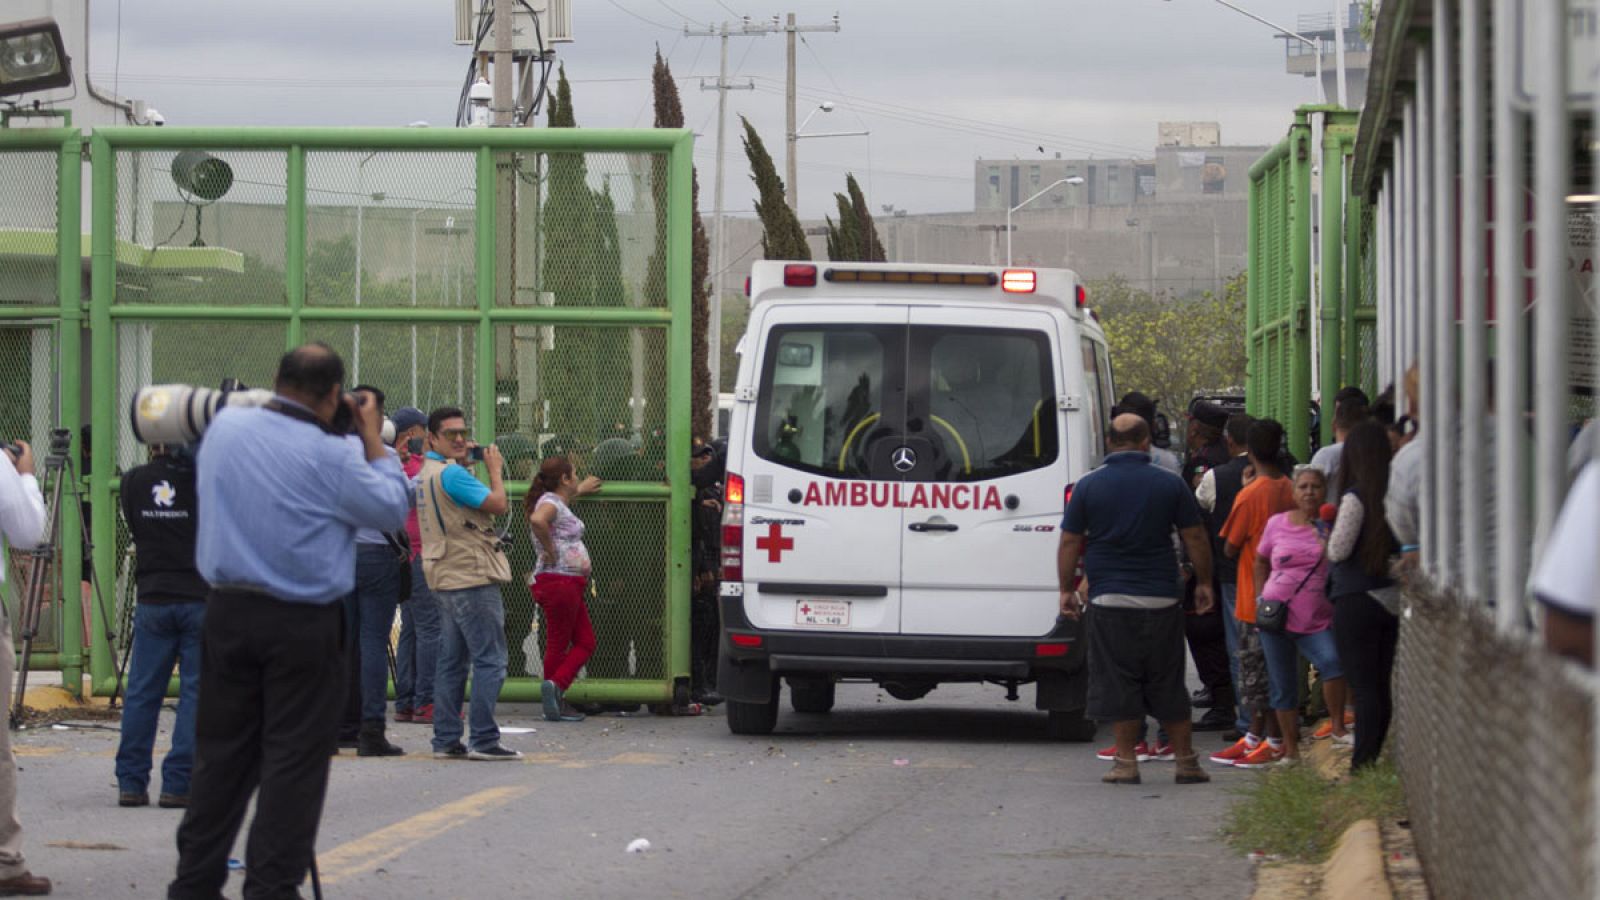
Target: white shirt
[21,511]
[1568,574]
[1327,459]
[1206,493]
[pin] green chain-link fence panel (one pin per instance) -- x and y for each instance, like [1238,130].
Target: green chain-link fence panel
[1277,383]
[529,277]
[40,282]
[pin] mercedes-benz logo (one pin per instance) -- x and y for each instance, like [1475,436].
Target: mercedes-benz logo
[903,460]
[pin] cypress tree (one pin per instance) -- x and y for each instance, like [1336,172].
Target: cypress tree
[854,238]
[585,378]
[781,237]
[867,232]
[669,114]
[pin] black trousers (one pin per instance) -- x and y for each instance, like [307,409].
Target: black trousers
[705,630]
[271,685]
[1208,645]
[1366,635]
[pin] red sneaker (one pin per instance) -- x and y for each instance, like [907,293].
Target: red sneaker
[402,715]
[422,715]
[1141,752]
[1261,757]
[1163,752]
[1231,756]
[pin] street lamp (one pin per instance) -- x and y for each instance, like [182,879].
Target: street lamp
[1073,180]
[825,106]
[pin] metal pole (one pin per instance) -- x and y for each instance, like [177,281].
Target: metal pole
[69,337]
[414,303]
[1446,420]
[1474,336]
[1330,299]
[1341,11]
[361,204]
[1426,297]
[793,186]
[1551,177]
[718,245]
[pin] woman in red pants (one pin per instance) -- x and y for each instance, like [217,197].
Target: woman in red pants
[559,579]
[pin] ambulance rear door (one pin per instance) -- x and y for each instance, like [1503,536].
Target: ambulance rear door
[981,518]
[822,532]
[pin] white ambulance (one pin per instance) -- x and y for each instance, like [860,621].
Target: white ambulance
[902,442]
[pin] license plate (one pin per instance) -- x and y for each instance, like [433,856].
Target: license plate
[822,612]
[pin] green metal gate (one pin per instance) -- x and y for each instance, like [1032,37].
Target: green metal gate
[1282,278]
[537,278]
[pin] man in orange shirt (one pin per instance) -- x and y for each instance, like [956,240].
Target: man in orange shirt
[1267,492]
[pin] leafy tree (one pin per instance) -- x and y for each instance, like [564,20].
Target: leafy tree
[669,114]
[1172,348]
[781,236]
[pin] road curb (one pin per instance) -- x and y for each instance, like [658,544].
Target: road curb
[1356,869]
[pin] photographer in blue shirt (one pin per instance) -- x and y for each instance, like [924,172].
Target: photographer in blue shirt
[282,495]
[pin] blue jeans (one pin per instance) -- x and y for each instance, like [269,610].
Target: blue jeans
[163,634]
[1230,634]
[472,632]
[1283,662]
[417,652]
[376,595]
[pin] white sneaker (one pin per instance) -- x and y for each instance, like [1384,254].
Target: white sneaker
[1348,739]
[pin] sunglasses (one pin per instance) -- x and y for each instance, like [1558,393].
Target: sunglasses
[453,434]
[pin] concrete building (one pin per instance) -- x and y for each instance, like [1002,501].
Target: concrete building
[1300,59]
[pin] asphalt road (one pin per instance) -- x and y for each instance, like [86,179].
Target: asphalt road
[959,794]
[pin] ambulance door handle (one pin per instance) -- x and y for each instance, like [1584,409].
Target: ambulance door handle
[932,525]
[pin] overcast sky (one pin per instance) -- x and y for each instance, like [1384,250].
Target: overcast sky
[938,83]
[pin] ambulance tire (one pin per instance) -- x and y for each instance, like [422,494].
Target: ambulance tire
[754,718]
[1070,725]
[811,695]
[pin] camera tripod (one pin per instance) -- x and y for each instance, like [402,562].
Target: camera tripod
[57,463]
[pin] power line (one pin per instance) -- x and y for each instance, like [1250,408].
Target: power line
[630,12]
[680,15]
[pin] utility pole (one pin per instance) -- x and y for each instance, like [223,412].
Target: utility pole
[503,11]
[791,30]
[718,245]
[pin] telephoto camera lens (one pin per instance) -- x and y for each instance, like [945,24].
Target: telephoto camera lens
[179,413]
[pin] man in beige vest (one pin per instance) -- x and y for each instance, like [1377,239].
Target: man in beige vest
[464,564]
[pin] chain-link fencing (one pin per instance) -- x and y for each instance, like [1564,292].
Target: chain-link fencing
[1490,738]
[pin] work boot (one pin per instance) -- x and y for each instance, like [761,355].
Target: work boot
[1189,771]
[1124,770]
[373,743]
[25,885]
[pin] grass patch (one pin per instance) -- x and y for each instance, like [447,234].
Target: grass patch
[1294,814]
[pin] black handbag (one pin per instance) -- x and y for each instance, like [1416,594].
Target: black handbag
[1273,615]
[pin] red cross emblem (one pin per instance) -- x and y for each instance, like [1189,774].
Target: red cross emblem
[805,609]
[775,543]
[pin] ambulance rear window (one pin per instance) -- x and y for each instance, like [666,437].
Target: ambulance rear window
[821,387]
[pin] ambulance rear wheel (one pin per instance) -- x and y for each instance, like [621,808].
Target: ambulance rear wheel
[1070,725]
[754,718]
[811,695]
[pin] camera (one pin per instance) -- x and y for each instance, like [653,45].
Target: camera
[475,454]
[180,413]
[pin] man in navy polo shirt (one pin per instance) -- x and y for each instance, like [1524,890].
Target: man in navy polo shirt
[1120,522]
